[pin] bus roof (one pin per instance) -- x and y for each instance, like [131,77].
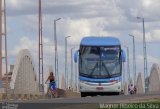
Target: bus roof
[100,41]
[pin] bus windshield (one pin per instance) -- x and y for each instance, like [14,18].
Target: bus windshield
[100,62]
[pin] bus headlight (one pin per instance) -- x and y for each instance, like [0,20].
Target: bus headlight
[81,85]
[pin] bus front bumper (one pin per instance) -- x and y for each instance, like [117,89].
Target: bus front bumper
[96,87]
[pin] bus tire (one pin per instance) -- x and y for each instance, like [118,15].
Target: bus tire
[119,93]
[83,94]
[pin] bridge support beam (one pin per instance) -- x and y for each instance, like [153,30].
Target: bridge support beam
[154,79]
[126,88]
[0,39]
[140,84]
[23,80]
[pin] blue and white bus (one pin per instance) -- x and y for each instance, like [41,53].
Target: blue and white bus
[100,65]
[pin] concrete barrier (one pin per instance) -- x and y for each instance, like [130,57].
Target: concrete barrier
[10,97]
[16,96]
[19,97]
[42,96]
[25,97]
[154,79]
[31,96]
[4,97]
[69,93]
[61,92]
[1,97]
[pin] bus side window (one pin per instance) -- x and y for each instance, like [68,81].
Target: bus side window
[123,56]
[120,54]
[76,56]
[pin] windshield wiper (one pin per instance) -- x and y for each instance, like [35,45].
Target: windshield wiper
[106,69]
[93,69]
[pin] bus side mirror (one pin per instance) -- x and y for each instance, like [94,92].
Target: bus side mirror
[123,56]
[76,56]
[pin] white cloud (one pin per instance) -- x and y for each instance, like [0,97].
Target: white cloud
[24,43]
[147,3]
[150,59]
[78,29]
[13,2]
[138,35]
[155,34]
[152,36]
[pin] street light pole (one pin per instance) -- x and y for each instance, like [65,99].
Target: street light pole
[145,55]
[123,82]
[72,67]
[128,67]
[1,40]
[66,68]
[134,60]
[76,77]
[56,53]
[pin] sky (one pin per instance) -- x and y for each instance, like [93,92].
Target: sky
[81,18]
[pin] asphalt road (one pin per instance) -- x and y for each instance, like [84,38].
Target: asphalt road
[84,103]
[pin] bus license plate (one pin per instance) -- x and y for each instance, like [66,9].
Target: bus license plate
[99,88]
